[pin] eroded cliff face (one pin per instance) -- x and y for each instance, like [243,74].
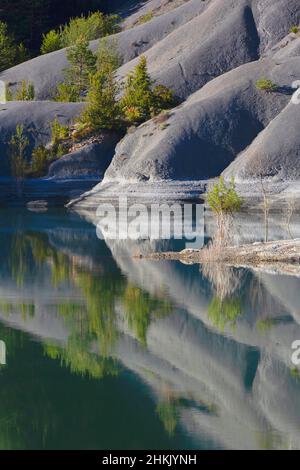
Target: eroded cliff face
[211,53]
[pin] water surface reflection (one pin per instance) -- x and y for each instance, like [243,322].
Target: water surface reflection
[107,351]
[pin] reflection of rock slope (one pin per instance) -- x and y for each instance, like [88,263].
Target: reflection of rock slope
[220,373]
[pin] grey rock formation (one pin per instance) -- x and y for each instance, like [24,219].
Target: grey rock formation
[227,34]
[89,161]
[201,137]
[274,153]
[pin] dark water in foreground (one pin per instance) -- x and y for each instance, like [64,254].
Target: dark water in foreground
[104,351]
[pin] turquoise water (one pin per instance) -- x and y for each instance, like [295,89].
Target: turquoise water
[105,351]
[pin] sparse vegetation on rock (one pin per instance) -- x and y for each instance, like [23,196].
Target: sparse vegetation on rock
[266,85]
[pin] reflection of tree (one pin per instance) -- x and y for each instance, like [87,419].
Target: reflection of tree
[140,308]
[76,356]
[168,414]
[92,322]
[226,305]
[19,258]
[224,312]
[25,309]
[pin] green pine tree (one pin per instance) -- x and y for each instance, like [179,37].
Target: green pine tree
[82,65]
[142,100]
[138,99]
[8,51]
[18,145]
[102,110]
[108,57]
[51,42]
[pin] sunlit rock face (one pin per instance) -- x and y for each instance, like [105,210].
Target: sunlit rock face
[228,117]
[188,44]
[90,160]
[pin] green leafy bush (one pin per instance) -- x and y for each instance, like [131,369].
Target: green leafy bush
[94,26]
[295,29]
[66,93]
[224,199]
[264,84]
[51,42]
[59,132]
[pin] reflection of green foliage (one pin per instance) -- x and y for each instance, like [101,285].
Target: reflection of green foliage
[168,414]
[224,312]
[270,441]
[18,258]
[75,355]
[295,373]
[61,269]
[23,308]
[139,306]
[100,293]
[264,325]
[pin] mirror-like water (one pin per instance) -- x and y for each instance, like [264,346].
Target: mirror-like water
[103,351]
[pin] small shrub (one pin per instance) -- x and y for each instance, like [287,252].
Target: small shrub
[295,29]
[25,92]
[222,198]
[164,98]
[59,132]
[145,18]
[66,93]
[264,84]
[18,146]
[223,201]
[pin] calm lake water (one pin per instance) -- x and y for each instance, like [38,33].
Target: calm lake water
[104,351]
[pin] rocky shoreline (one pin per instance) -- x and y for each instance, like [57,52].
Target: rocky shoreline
[278,255]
